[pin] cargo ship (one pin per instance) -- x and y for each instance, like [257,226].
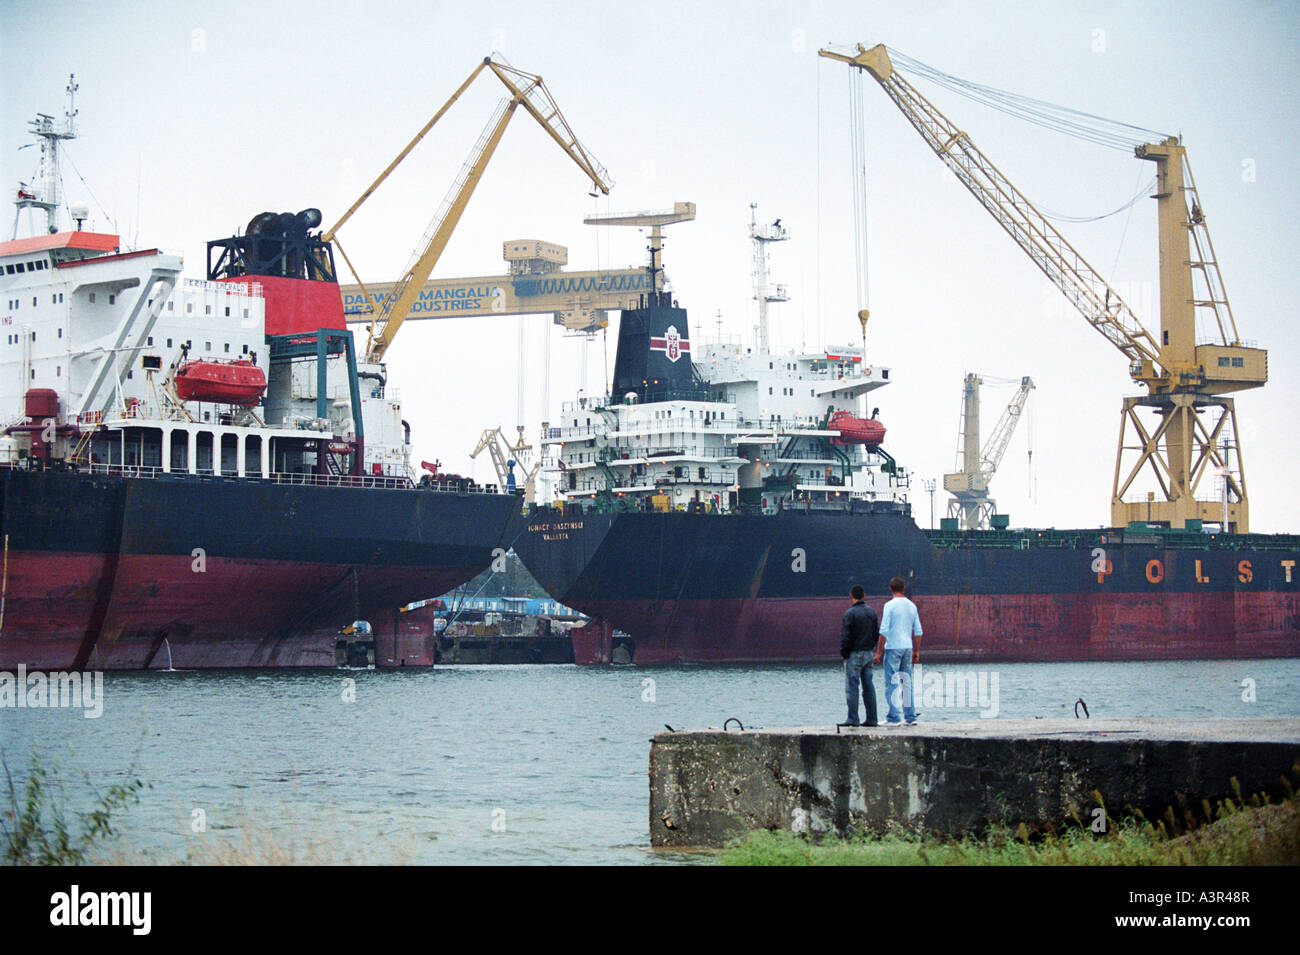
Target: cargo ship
[200,473]
[720,503]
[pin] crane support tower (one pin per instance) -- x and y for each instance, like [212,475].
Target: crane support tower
[522,89]
[969,487]
[1191,426]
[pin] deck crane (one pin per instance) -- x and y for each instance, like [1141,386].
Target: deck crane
[1185,381]
[506,457]
[522,89]
[969,487]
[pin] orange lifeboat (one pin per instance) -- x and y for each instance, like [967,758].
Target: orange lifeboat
[228,383]
[854,430]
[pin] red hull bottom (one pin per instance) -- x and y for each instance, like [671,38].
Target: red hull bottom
[158,610]
[1004,628]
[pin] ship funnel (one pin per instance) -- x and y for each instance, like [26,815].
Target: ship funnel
[653,360]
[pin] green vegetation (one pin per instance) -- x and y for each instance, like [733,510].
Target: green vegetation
[35,828]
[1236,831]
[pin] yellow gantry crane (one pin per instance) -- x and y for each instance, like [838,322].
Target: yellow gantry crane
[1186,381]
[969,487]
[522,89]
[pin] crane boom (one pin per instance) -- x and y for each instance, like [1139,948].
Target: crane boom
[1091,294]
[522,89]
[996,445]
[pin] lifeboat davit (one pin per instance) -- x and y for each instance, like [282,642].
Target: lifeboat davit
[854,430]
[223,382]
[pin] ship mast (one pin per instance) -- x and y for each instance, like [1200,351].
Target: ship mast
[763,236]
[44,193]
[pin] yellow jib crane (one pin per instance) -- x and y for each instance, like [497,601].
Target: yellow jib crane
[969,487]
[1184,379]
[523,89]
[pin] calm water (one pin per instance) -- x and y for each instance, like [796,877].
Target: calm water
[493,764]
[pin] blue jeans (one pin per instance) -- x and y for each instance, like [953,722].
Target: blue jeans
[857,674]
[898,685]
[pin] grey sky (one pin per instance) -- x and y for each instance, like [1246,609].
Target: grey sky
[194,117]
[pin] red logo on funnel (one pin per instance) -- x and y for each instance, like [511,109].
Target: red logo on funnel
[672,344]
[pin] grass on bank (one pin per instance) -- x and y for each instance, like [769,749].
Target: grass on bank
[1235,831]
[37,829]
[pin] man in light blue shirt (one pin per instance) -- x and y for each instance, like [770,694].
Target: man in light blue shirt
[899,646]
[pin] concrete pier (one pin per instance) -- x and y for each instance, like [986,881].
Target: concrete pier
[709,786]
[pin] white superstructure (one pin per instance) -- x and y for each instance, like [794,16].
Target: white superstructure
[97,335]
[762,439]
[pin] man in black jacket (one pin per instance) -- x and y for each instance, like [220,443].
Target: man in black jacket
[859,632]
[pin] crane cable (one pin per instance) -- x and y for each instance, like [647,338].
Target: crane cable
[1141,194]
[1088,127]
[858,160]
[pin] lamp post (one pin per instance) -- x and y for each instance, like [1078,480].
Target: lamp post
[929,485]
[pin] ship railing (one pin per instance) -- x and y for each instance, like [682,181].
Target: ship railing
[281,477]
[656,427]
[690,451]
[341,480]
[606,402]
